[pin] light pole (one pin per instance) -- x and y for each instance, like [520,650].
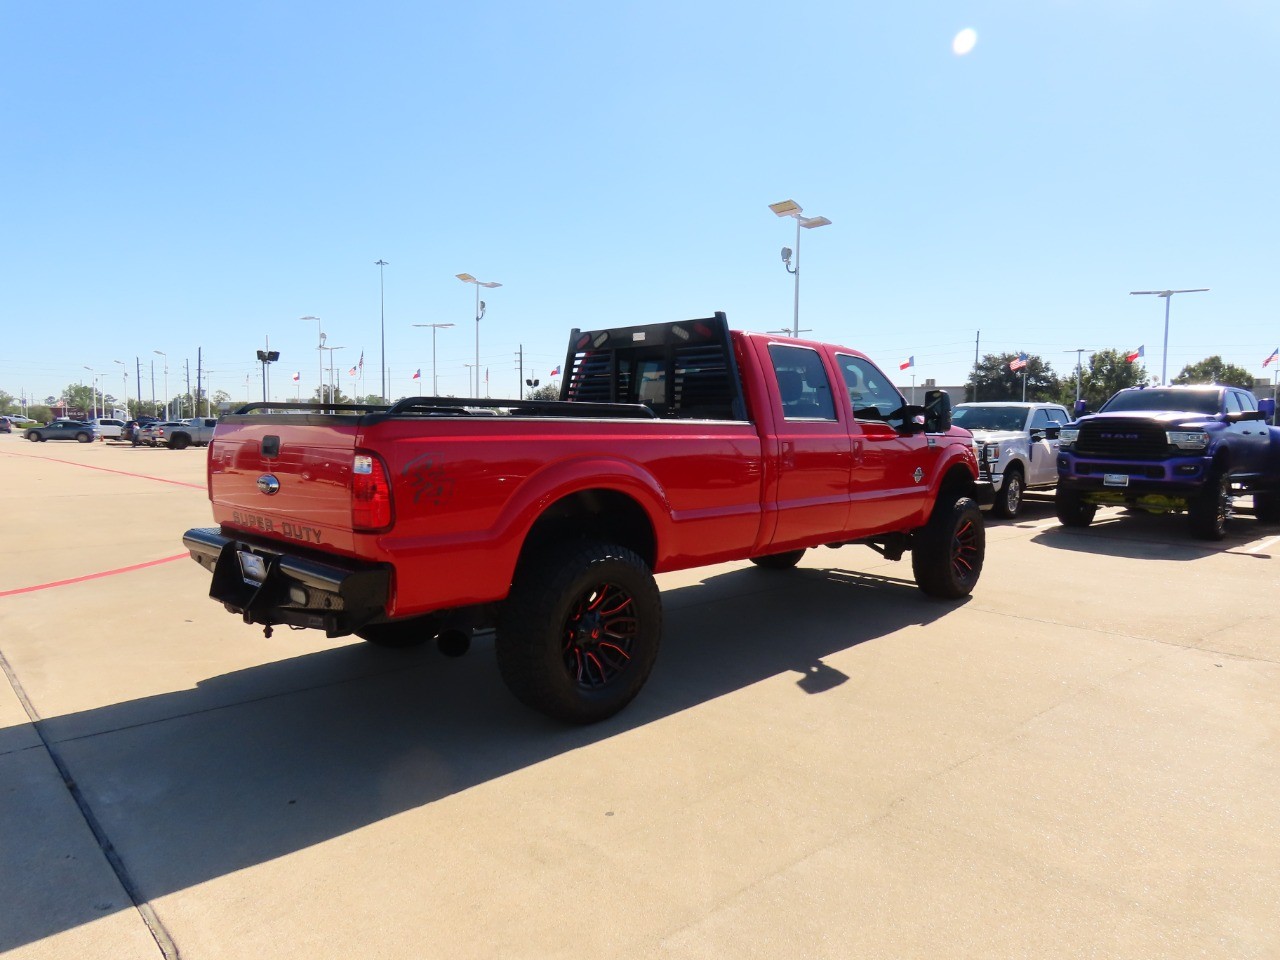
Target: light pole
[1077,351]
[789,208]
[382,296]
[435,389]
[124,374]
[468,278]
[93,390]
[320,354]
[1168,295]
[166,381]
[333,390]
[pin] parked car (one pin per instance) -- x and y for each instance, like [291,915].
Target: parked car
[18,419]
[148,433]
[5,425]
[180,434]
[1017,446]
[109,428]
[63,430]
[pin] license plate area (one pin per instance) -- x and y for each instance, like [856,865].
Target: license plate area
[253,568]
[1115,479]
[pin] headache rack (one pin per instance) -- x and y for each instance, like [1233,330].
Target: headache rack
[683,370]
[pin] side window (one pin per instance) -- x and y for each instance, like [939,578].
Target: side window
[1247,401]
[1041,419]
[871,395]
[802,383]
[1233,402]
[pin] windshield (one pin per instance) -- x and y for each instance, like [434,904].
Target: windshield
[990,418]
[1192,401]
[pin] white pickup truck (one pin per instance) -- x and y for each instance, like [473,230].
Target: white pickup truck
[197,431]
[1017,446]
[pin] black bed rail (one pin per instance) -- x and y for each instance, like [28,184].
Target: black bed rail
[458,406]
[275,406]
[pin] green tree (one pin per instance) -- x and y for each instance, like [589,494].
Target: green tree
[40,412]
[547,391]
[993,380]
[1214,370]
[1107,372]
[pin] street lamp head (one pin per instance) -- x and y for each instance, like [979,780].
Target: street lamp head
[466,278]
[160,352]
[810,222]
[490,285]
[786,208]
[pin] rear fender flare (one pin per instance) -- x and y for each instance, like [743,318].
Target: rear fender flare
[568,477]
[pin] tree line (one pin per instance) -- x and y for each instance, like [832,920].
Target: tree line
[1105,372]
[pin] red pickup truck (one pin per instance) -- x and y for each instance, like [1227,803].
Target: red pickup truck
[672,446]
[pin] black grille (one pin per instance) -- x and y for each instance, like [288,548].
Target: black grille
[1129,439]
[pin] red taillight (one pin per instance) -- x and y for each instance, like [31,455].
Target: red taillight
[370,494]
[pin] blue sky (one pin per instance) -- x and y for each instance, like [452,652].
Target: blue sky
[184,176]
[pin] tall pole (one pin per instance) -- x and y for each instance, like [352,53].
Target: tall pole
[320,354]
[477,393]
[380,263]
[166,381]
[1079,351]
[124,375]
[795,311]
[1168,295]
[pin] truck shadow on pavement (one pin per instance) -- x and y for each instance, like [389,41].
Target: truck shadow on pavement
[1139,535]
[253,765]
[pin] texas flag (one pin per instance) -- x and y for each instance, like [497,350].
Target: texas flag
[1019,363]
[1134,355]
[909,362]
[417,374]
[1271,359]
[556,372]
[297,376]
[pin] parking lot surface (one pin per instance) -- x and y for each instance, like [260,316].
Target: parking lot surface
[1081,760]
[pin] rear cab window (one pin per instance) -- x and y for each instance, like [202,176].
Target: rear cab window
[803,384]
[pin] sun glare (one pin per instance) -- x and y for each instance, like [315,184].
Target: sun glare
[964,41]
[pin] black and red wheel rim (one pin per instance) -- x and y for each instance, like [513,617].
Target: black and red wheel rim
[600,635]
[964,550]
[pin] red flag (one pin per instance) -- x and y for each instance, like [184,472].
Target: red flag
[417,374]
[1140,352]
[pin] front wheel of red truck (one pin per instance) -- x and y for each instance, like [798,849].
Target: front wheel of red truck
[947,552]
[579,633]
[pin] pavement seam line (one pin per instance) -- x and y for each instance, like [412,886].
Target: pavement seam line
[153,923]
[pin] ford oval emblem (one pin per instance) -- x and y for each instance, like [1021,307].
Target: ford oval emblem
[268,484]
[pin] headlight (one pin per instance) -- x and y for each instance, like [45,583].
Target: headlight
[1067,436]
[992,452]
[1187,439]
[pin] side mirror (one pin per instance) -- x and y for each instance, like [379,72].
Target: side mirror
[937,406]
[1267,407]
[1080,408]
[914,419]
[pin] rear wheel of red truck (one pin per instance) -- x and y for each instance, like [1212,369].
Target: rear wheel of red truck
[947,552]
[579,633]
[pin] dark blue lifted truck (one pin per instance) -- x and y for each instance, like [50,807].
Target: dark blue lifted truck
[1172,450]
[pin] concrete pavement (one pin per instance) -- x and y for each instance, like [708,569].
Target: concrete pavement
[1080,760]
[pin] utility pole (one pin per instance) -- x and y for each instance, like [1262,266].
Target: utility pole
[520,382]
[186,362]
[976,340]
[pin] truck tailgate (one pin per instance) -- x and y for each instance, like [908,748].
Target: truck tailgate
[288,479]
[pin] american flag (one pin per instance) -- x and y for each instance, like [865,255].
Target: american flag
[1019,363]
[1274,353]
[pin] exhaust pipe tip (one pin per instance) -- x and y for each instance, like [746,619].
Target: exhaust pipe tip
[453,643]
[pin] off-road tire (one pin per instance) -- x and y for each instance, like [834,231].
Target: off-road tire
[779,561]
[1210,509]
[1009,499]
[579,633]
[1072,510]
[1266,506]
[948,551]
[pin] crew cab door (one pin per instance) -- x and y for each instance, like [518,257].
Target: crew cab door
[812,492]
[1250,438]
[892,468]
[1043,449]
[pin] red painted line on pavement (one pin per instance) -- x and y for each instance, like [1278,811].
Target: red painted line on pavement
[123,473]
[93,576]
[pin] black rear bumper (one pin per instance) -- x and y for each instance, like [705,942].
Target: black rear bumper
[335,595]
